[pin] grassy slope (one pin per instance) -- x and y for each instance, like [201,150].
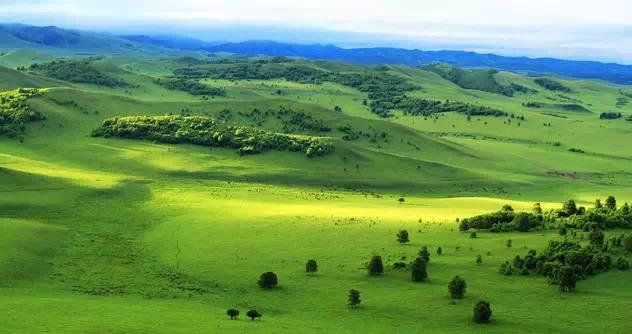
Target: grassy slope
[106,228]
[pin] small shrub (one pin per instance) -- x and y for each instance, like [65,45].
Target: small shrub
[311,266]
[253,314]
[232,313]
[354,298]
[268,280]
[402,237]
[376,267]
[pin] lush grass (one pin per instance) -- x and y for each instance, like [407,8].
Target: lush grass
[113,235]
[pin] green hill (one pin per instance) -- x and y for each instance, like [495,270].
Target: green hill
[127,207]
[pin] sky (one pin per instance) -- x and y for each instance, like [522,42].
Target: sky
[575,29]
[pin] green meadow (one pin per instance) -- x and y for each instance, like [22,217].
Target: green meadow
[119,235]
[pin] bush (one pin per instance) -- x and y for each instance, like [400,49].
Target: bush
[402,237]
[424,254]
[15,113]
[623,263]
[627,243]
[354,298]
[482,312]
[439,251]
[376,267]
[191,87]
[457,287]
[311,266]
[79,71]
[268,280]
[419,270]
[479,259]
[232,313]
[253,314]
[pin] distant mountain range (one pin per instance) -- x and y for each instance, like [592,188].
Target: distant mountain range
[57,40]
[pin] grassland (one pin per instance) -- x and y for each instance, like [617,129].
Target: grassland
[110,235]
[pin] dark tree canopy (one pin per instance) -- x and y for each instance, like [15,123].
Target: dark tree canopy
[232,313]
[482,312]
[376,267]
[419,270]
[354,298]
[402,237]
[457,287]
[611,203]
[253,314]
[311,266]
[268,280]
[424,254]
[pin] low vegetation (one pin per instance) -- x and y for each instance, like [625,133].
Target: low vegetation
[191,86]
[79,71]
[552,85]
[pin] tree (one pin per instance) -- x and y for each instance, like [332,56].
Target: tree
[419,270]
[402,237]
[508,243]
[473,235]
[611,203]
[424,254]
[232,313]
[268,280]
[401,200]
[566,277]
[623,263]
[457,287]
[563,230]
[479,259]
[507,208]
[596,237]
[598,204]
[537,209]
[439,250]
[376,267]
[354,298]
[482,312]
[569,208]
[252,314]
[627,243]
[311,266]
[522,221]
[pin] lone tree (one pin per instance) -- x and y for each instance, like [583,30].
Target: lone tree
[268,280]
[402,237]
[311,266]
[252,314]
[232,313]
[439,250]
[424,254]
[611,203]
[401,200]
[457,287]
[598,204]
[509,243]
[482,312]
[479,259]
[566,277]
[537,209]
[354,298]
[419,270]
[376,267]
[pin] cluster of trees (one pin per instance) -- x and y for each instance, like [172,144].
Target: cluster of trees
[210,132]
[601,216]
[564,263]
[427,107]
[15,113]
[483,80]
[191,86]
[552,85]
[610,115]
[382,88]
[79,71]
[293,120]
[505,220]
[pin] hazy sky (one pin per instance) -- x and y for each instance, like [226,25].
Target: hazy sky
[578,29]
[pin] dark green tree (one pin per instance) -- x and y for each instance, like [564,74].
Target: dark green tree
[598,204]
[253,314]
[439,250]
[376,267]
[479,259]
[569,208]
[596,237]
[482,312]
[623,263]
[354,298]
[402,237]
[537,209]
[424,254]
[311,266]
[268,280]
[611,203]
[457,287]
[419,270]
[232,313]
